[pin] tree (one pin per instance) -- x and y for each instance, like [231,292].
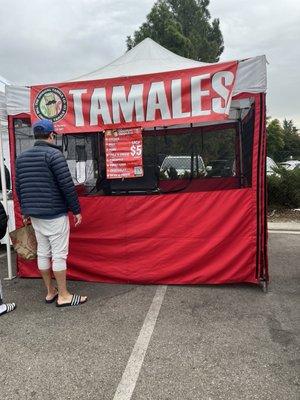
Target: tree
[291,141]
[184,27]
[275,137]
[283,140]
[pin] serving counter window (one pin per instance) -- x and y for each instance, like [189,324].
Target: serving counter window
[203,158]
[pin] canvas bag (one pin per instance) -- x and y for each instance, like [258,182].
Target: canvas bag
[24,242]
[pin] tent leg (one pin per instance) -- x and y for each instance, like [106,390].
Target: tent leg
[4,194]
[9,263]
[264,285]
[241,149]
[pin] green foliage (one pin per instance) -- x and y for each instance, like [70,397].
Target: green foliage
[283,140]
[217,145]
[283,143]
[291,142]
[275,137]
[184,27]
[284,189]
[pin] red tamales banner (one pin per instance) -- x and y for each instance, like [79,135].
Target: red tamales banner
[161,99]
[123,149]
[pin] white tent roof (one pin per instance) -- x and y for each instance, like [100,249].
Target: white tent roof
[146,58]
[3,114]
[3,82]
[149,57]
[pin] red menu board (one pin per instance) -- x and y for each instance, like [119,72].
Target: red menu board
[123,149]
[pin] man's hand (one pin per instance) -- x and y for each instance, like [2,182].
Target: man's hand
[25,219]
[77,219]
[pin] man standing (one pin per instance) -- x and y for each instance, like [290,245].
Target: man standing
[46,192]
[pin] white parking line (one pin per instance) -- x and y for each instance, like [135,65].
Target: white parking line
[285,232]
[130,376]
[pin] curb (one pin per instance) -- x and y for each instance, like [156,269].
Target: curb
[283,229]
[284,226]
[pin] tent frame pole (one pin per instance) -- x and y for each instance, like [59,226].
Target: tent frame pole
[4,194]
[242,180]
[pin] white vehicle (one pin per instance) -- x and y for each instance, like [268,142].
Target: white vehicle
[179,166]
[290,164]
[271,166]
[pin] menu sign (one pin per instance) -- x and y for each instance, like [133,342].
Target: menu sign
[123,149]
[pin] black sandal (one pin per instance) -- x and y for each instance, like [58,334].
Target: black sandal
[51,300]
[76,301]
[9,307]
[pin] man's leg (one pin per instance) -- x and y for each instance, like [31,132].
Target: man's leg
[47,278]
[64,296]
[44,258]
[61,279]
[59,248]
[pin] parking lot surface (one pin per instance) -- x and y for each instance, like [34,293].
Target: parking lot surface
[205,342]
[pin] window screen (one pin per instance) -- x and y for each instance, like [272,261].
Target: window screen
[174,160]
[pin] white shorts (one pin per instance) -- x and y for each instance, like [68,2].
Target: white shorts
[52,237]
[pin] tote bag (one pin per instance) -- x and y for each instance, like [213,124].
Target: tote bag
[24,242]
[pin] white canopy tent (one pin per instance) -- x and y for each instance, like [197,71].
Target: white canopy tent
[149,57]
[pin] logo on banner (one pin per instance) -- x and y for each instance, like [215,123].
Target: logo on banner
[51,103]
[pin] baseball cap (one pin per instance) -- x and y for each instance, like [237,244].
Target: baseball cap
[44,125]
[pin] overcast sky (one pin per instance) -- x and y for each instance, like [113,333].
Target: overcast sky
[44,41]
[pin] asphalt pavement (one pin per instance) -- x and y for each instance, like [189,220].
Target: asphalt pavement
[208,342]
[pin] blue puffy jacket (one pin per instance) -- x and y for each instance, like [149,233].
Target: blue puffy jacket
[43,182]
